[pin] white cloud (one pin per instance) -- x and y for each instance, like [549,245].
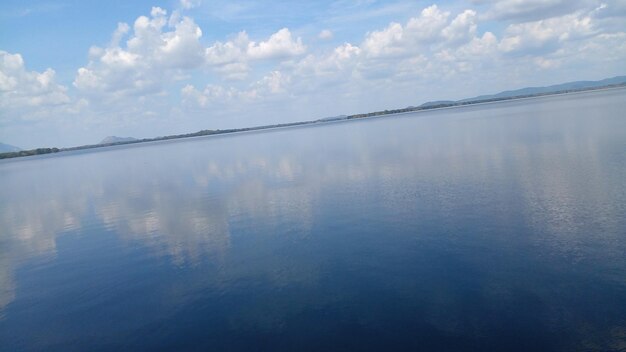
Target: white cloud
[429,25]
[431,28]
[119,33]
[232,58]
[325,34]
[157,48]
[189,4]
[533,10]
[462,29]
[232,51]
[545,36]
[194,97]
[21,89]
[182,47]
[345,52]
[319,72]
[388,42]
[280,44]
[273,84]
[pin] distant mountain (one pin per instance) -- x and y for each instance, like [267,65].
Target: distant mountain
[115,139]
[7,148]
[550,89]
[435,103]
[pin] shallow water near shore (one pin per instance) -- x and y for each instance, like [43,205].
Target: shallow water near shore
[490,227]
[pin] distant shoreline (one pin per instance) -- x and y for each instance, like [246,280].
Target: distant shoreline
[435,106]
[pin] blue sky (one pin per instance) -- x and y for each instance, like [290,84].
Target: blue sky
[73,72]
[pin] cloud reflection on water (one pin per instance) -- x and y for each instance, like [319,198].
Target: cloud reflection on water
[189,202]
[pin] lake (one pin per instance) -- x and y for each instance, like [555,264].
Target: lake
[497,226]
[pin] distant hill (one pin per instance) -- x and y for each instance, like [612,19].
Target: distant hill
[435,103]
[115,139]
[7,148]
[550,89]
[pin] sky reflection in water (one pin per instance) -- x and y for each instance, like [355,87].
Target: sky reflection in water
[495,226]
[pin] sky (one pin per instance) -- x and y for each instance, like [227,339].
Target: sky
[75,71]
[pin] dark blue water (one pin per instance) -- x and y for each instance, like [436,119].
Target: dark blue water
[493,227]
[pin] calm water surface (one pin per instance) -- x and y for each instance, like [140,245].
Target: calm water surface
[491,227]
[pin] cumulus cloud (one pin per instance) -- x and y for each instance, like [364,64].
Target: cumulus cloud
[22,90]
[321,71]
[387,42]
[280,44]
[428,26]
[157,47]
[545,36]
[432,27]
[231,51]
[233,57]
[203,98]
[272,84]
[462,29]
